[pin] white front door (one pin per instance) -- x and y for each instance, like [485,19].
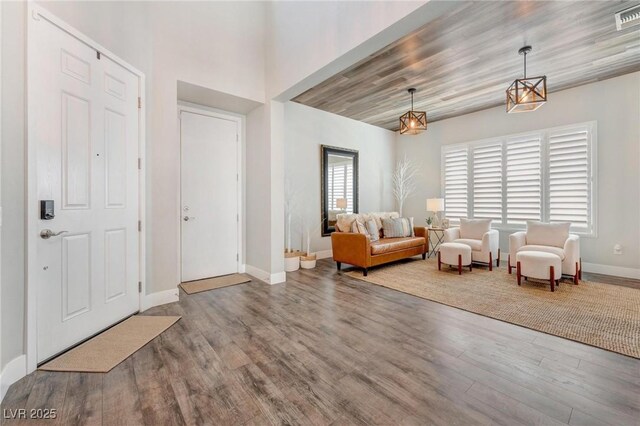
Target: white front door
[209,181]
[83,120]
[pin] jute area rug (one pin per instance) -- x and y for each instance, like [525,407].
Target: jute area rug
[602,315]
[108,349]
[191,287]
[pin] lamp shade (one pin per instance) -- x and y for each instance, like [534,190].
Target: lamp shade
[435,204]
[341,203]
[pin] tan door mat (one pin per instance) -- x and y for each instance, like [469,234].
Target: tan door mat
[213,283]
[108,349]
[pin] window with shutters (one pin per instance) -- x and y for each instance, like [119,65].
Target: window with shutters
[487,182]
[546,175]
[524,180]
[455,177]
[570,178]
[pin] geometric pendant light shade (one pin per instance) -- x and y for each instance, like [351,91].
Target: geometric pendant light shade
[413,122]
[526,94]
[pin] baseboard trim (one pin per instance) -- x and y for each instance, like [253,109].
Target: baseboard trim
[159,298]
[265,276]
[15,370]
[324,254]
[616,271]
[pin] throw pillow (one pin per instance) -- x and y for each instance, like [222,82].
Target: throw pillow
[397,228]
[547,234]
[474,229]
[372,229]
[359,228]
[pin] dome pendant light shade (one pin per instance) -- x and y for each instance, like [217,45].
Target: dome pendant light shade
[413,122]
[526,94]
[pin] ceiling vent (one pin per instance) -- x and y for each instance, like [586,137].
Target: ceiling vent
[629,17]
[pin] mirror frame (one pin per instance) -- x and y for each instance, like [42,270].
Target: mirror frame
[326,150]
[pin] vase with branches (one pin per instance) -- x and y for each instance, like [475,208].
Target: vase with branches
[404,181]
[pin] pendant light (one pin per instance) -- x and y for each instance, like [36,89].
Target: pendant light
[526,94]
[413,122]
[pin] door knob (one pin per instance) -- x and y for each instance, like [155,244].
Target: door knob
[188,218]
[45,234]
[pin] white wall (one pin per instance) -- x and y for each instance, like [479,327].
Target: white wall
[306,129]
[614,104]
[13,182]
[215,45]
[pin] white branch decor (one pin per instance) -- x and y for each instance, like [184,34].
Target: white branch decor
[290,204]
[404,181]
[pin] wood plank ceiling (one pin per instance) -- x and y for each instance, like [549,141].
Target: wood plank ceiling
[464,61]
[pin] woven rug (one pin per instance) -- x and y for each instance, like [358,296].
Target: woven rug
[602,315]
[108,349]
[191,287]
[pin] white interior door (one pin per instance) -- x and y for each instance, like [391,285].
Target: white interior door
[209,183]
[83,120]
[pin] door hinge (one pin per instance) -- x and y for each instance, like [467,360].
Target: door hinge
[98,55]
[237,256]
[139,102]
[237,137]
[139,226]
[237,177]
[139,163]
[139,286]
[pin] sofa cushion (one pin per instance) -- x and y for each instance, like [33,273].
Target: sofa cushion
[397,227]
[547,234]
[546,249]
[372,229]
[358,228]
[387,245]
[344,221]
[474,229]
[378,216]
[476,245]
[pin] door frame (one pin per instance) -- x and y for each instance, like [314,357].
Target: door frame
[240,126]
[36,13]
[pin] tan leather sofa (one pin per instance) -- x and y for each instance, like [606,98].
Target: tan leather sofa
[358,250]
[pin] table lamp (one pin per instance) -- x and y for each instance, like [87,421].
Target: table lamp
[435,205]
[341,203]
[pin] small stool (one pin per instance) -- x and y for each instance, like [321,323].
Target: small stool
[454,254]
[539,265]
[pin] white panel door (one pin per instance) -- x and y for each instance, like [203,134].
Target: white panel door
[84,124]
[209,183]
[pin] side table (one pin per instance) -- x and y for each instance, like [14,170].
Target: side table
[435,241]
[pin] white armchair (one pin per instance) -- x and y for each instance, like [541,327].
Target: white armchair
[550,238]
[478,235]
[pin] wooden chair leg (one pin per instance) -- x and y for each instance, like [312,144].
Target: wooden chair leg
[518,272]
[498,259]
[580,270]
[424,256]
[490,261]
[470,267]
[576,277]
[364,272]
[509,264]
[459,264]
[338,265]
[552,278]
[439,263]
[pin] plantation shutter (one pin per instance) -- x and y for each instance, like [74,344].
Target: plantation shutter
[524,180]
[487,182]
[569,179]
[455,183]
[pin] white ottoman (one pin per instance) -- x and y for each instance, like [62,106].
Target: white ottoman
[454,254]
[539,265]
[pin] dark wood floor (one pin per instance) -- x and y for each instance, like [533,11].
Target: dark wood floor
[326,349]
